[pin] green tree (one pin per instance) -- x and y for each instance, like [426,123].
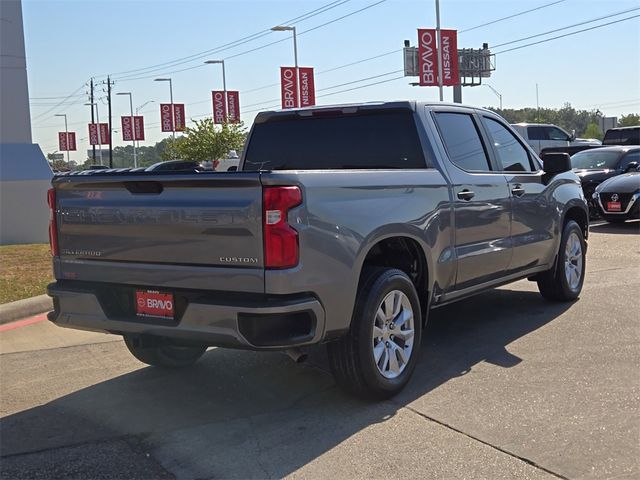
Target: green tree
[566,117]
[592,131]
[630,120]
[205,141]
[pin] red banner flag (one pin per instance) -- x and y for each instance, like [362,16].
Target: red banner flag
[179,123]
[307,87]
[289,87]
[93,134]
[233,102]
[219,107]
[104,133]
[166,117]
[127,131]
[427,61]
[138,127]
[66,141]
[449,55]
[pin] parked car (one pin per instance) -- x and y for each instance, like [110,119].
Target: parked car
[595,166]
[622,136]
[344,225]
[618,198]
[229,164]
[546,136]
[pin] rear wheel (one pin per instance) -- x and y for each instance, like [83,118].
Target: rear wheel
[162,352]
[378,355]
[564,282]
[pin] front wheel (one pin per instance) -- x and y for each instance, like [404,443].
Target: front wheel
[162,352]
[564,282]
[378,355]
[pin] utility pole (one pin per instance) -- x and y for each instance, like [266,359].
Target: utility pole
[92,101]
[109,83]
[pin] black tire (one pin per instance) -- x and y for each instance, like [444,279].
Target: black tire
[351,357]
[554,284]
[162,352]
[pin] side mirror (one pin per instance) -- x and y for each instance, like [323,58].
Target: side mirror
[632,166]
[554,163]
[572,137]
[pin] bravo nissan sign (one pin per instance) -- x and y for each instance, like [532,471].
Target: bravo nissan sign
[428,57]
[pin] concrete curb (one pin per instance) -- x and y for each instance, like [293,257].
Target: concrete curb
[25,308]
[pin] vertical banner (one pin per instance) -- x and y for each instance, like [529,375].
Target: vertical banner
[66,142]
[289,87]
[449,56]
[166,117]
[104,133]
[93,134]
[127,130]
[138,127]
[233,103]
[427,61]
[307,87]
[219,107]
[179,122]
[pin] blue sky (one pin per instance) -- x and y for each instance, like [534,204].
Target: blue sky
[67,42]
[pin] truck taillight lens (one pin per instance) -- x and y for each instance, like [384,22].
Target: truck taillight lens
[53,222]
[280,240]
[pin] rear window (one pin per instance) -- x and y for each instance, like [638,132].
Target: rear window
[595,159]
[626,136]
[377,140]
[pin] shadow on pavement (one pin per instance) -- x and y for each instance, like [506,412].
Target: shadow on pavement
[629,227]
[246,414]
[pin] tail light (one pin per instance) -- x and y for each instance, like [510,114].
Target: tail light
[53,222]
[280,240]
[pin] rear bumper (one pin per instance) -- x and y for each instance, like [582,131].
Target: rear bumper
[256,322]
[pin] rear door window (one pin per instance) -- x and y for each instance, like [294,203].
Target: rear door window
[367,140]
[536,133]
[462,141]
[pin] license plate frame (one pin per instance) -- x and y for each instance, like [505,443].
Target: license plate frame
[155,304]
[614,207]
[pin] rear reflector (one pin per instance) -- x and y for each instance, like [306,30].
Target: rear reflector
[53,222]
[280,239]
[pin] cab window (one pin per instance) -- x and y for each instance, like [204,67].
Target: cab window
[512,156]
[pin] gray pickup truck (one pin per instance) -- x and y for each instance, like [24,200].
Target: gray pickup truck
[343,225]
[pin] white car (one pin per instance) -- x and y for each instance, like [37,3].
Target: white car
[544,135]
[228,164]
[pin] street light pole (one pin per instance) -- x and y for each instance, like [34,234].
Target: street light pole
[439,50]
[133,128]
[173,118]
[285,28]
[224,81]
[496,92]
[66,132]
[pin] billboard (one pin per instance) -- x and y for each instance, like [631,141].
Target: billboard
[166,117]
[219,107]
[307,87]
[289,87]
[427,61]
[233,106]
[67,141]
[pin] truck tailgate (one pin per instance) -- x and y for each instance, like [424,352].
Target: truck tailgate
[198,225]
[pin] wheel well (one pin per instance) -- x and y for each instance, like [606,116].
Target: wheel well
[404,254]
[580,217]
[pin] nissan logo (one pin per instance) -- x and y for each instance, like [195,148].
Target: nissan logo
[614,197]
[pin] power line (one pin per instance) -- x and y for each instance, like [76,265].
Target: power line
[235,43]
[566,28]
[512,16]
[60,103]
[567,34]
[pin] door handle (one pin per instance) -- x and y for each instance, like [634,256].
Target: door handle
[466,195]
[518,191]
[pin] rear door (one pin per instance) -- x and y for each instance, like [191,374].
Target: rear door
[533,209]
[481,199]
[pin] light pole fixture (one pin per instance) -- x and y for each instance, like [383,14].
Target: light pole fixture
[66,132]
[224,81]
[92,104]
[286,28]
[496,92]
[133,128]
[171,98]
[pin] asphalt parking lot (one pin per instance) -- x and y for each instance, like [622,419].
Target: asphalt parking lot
[508,386]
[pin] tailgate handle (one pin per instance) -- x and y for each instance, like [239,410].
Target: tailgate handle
[148,188]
